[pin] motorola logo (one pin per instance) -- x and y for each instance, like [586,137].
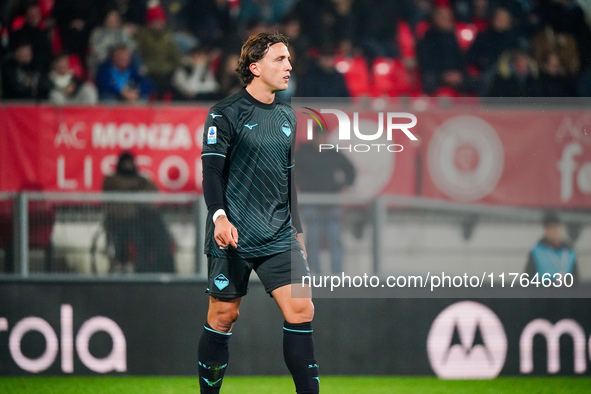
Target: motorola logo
[467,341]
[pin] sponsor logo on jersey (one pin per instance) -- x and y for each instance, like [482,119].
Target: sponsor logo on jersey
[212,135]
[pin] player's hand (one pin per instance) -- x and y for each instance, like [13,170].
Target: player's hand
[225,233]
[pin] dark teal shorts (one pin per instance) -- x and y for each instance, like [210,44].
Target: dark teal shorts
[228,278]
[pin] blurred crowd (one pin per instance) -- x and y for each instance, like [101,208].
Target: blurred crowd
[89,51]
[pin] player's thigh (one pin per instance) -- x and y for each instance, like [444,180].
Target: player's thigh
[282,269]
[295,302]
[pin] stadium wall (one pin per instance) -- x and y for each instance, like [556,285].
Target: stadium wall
[152,328]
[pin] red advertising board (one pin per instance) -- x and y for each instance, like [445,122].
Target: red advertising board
[519,157]
[508,157]
[72,149]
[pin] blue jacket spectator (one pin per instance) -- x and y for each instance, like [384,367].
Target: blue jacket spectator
[119,79]
[552,254]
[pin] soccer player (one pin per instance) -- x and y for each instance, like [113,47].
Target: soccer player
[253,221]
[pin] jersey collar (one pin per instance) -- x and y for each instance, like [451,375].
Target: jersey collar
[256,102]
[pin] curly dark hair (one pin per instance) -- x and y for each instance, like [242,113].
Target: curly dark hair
[253,50]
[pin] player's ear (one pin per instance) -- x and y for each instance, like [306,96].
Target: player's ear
[254,69]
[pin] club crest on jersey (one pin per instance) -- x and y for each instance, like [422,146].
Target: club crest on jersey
[221,282]
[286,129]
[212,135]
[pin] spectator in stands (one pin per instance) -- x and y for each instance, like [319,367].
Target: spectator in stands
[554,80]
[176,11]
[210,21]
[379,37]
[566,16]
[37,35]
[3,42]
[158,51]
[118,79]
[75,20]
[270,12]
[349,20]
[67,89]
[328,172]
[226,74]
[475,12]
[323,80]
[492,42]
[133,12]
[316,21]
[104,37]
[553,254]
[517,76]
[561,44]
[21,79]
[298,42]
[178,22]
[137,231]
[584,83]
[194,80]
[441,61]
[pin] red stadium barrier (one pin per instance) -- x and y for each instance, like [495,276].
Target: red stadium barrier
[521,157]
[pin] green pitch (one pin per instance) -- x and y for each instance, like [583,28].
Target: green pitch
[279,385]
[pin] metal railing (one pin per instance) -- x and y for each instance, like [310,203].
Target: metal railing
[73,230]
[63,223]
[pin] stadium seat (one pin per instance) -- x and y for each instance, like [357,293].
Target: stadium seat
[17,23]
[390,78]
[406,41]
[420,29]
[356,74]
[56,41]
[465,33]
[77,67]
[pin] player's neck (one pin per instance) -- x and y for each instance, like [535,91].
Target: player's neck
[260,93]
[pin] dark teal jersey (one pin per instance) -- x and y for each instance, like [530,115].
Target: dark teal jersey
[256,141]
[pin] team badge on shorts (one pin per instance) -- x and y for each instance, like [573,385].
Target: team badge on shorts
[212,135]
[286,129]
[221,282]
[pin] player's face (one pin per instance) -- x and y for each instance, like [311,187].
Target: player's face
[275,67]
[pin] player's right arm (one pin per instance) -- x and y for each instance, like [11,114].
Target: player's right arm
[216,143]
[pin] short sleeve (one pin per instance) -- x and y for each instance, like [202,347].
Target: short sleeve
[217,135]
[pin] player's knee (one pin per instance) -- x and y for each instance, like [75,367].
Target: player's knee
[301,312]
[222,320]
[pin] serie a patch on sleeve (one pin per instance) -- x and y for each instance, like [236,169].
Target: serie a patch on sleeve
[212,135]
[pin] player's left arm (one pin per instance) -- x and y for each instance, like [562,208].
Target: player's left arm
[293,191]
[293,205]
